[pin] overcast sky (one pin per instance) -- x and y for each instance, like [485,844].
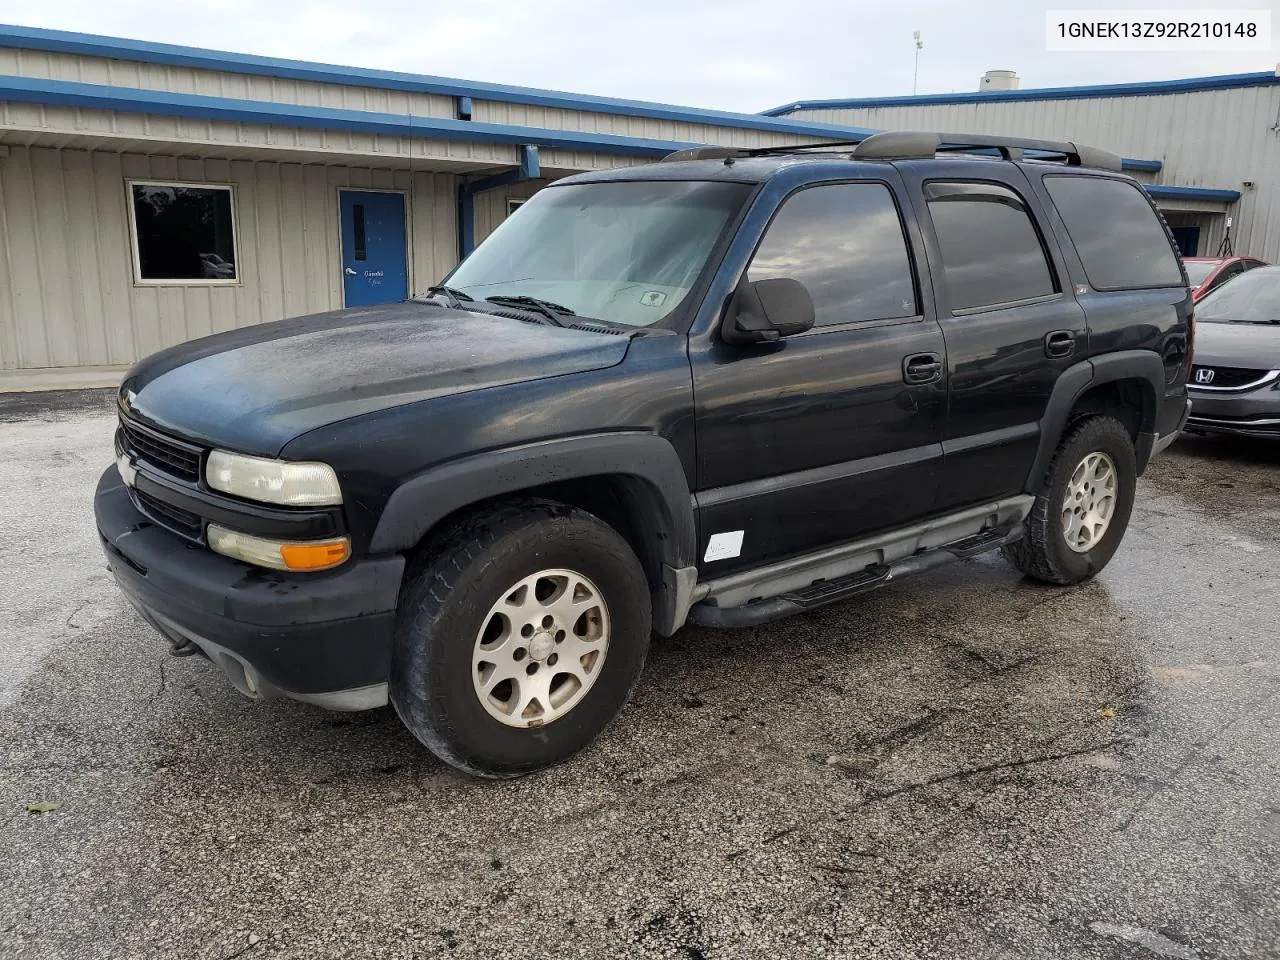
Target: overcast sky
[742,55]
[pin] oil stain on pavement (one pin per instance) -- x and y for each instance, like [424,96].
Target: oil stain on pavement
[961,765]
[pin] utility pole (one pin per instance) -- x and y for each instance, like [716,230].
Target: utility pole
[915,74]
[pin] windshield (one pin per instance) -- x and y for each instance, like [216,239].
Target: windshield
[1252,297]
[1198,270]
[625,252]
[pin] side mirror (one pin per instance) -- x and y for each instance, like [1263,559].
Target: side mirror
[767,310]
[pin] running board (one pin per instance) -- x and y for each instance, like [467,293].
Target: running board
[980,543]
[828,591]
[823,592]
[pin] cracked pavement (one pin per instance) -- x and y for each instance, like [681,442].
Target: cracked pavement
[964,764]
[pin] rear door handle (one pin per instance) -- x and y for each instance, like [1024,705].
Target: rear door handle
[1060,343]
[922,368]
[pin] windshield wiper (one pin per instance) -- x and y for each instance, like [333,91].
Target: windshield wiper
[454,295]
[546,308]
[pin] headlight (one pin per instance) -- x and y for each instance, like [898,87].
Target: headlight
[278,554]
[273,481]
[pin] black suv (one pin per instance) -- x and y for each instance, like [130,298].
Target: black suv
[720,389]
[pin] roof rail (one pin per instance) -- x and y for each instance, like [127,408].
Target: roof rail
[918,145]
[819,147]
[701,153]
[733,153]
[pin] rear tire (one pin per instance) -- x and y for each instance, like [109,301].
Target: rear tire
[480,677]
[1072,530]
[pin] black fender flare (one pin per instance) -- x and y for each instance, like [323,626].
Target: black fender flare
[421,502]
[1143,365]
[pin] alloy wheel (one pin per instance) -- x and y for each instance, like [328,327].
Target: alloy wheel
[540,648]
[1090,502]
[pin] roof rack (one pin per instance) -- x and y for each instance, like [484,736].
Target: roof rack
[918,145]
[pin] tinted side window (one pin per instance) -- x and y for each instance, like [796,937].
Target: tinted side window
[844,242]
[991,252]
[1121,242]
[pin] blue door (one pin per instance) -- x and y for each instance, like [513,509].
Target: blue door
[373,248]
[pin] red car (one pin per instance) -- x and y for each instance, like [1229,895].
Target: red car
[1209,273]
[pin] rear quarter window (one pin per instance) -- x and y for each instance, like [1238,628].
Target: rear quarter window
[1121,242]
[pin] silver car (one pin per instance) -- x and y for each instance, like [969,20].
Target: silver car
[1235,379]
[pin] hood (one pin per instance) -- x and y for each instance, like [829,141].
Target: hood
[1253,346]
[257,388]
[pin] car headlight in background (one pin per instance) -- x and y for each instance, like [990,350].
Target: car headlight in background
[278,554]
[287,483]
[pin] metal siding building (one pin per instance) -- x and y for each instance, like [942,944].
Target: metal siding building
[1217,140]
[293,145]
[68,297]
[82,118]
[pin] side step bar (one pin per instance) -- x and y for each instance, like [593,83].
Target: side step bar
[828,591]
[824,592]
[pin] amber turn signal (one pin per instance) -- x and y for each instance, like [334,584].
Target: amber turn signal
[315,556]
[276,554]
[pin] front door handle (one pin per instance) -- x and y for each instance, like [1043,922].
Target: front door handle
[350,272]
[1060,343]
[922,368]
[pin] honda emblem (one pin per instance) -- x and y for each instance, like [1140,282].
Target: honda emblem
[1204,375]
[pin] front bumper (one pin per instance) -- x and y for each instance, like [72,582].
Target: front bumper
[324,638]
[1252,414]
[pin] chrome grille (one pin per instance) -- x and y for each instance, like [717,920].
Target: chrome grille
[1230,378]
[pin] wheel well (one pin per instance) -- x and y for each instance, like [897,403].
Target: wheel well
[1131,401]
[627,504]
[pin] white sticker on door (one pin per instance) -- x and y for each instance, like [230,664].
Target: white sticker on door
[722,546]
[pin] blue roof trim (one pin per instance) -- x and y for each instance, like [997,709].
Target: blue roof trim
[1148,89]
[1147,166]
[83,44]
[1162,191]
[67,93]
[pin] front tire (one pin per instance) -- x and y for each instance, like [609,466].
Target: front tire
[1080,514]
[519,638]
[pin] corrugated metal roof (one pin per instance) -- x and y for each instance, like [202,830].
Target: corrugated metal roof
[1146,89]
[61,41]
[68,93]
[130,100]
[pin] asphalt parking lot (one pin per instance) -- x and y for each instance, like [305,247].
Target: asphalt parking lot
[964,765]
